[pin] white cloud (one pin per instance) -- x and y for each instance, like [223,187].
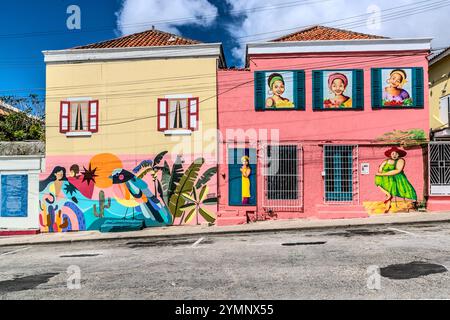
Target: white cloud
[269,22]
[167,15]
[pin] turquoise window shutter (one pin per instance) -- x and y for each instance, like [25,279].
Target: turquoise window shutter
[317,79]
[418,87]
[300,90]
[259,91]
[358,85]
[376,88]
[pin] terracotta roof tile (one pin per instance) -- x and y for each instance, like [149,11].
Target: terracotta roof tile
[149,38]
[325,33]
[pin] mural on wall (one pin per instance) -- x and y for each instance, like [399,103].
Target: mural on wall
[105,191]
[400,195]
[280,90]
[246,172]
[340,89]
[398,91]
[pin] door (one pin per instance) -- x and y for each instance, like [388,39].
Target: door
[239,188]
[439,168]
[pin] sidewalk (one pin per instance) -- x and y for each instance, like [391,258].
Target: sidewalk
[265,226]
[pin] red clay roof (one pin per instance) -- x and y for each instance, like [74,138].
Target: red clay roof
[149,38]
[325,33]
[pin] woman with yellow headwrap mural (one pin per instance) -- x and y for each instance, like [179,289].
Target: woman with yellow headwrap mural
[395,94]
[246,172]
[277,87]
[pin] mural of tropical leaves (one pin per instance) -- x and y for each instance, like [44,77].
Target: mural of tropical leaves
[194,206]
[170,178]
[204,179]
[185,186]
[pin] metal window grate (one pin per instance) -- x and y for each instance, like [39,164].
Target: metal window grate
[439,168]
[341,174]
[283,174]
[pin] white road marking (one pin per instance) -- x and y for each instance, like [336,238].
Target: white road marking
[197,243]
[403,231]
[15,251]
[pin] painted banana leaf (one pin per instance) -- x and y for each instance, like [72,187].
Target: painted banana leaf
[207,215]
[185,186]
[204,179]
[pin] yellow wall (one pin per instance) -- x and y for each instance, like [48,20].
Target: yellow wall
[128,90]
[438,83]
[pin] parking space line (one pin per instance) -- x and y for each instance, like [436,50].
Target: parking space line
[15,251]
[197,242]
[403,231]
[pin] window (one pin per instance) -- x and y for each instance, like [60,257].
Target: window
[340,169]
[444,110]
[242,172]
[279,90]
[178,114]
[283,175]
[397,88]
[338,89]
[79,116]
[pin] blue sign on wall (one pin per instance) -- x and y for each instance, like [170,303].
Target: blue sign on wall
[14,196]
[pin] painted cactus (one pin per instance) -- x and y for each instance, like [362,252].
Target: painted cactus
[102,205]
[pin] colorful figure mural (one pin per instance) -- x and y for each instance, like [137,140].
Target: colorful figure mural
[396,93]
[68,203]
[246,172]
[391,179]
[279,84]
[340,93]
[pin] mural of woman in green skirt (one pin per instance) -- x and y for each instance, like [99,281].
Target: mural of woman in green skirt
[391,179]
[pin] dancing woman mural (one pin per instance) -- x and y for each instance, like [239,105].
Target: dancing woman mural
[391,179]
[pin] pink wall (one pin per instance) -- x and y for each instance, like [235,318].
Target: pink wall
[313,128]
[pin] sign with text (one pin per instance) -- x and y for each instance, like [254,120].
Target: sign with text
[14,196]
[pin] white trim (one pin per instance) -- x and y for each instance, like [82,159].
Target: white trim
[178,132]
[332,46]
[178,96]
[81,99]
[78,134]
[79,55]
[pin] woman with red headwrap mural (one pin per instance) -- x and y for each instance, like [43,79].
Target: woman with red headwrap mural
[338,83]
[391,179]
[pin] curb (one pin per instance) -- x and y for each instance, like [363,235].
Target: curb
[226,232]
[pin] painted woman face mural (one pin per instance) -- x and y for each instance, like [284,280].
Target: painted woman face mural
[391,179]
[394,93]
[337,84]
[277,88]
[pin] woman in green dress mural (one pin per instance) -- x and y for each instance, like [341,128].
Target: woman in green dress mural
[391,179]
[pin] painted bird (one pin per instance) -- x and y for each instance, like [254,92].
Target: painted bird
[128,187]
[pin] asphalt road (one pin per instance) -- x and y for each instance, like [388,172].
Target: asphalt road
[407,262]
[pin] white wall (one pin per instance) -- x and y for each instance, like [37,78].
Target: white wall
[31,166]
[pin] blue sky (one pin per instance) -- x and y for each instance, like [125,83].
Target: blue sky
[28,27]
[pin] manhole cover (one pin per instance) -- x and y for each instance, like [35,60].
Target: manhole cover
[411,270]
[291,244]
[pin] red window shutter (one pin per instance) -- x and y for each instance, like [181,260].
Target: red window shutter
[93,116]
[64,117]
[163,114]
[193,113]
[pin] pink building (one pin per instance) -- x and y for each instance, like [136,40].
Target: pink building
[333,124]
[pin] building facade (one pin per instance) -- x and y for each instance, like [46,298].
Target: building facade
[131,133]
[324,123]
[439,149]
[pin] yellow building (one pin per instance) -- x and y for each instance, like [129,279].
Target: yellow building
[126,121]
[439,77]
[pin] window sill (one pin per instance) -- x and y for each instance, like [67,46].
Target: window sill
[78,134]
[178,132]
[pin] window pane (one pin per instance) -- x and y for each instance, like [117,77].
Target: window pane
[79,116]
[178,113]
